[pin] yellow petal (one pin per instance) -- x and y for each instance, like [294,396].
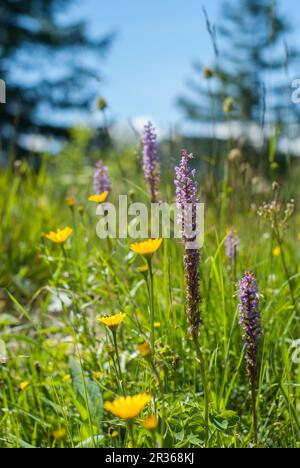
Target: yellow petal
[148,247]
[24,385]
[113,321]
[60,236]
[99,198]
[128,407]
[277,252]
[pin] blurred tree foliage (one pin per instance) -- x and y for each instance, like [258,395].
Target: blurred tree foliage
[252,66]
[50,66]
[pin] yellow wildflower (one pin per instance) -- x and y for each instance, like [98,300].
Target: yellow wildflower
[112,321]
[148,247]
[228,105]
[60,433]
[60,236]
[70,201]
[128,407]
[150,423]
[144,349]
[277,252]
[156,324]
[101,198]
[97,375]
[24,385]
[143,269]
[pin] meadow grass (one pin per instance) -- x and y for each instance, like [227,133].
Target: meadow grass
[59,364]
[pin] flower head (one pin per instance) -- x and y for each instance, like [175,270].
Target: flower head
[186,195]
[277,251]
[99,198]
[150,423]
[228,105]
[128,407]
[231,243]
[143,269]
[151,161]
[250,321]
[144,349]
[60,433]
[60,236]
[102,181]
[146,248]
[24,385]
[235,155]
[186,199]
[112,321]
[70,201]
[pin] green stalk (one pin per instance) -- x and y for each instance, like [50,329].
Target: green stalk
[254,412]
[131,433]
[162,396]
[86,398]
[151,300]
[120,375]
[205,386]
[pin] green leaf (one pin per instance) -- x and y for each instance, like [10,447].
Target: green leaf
[95,400]
[19,306]
[8,319]
[225,420]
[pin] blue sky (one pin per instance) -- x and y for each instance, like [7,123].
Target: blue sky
[157,42]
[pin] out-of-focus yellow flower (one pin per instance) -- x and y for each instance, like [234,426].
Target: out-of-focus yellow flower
[70,201]
[277,252]
[60,433]
[235,155]
[67,378]
[97,375]
[228,105]
[150,423]
[114,434]
[128,407]
[110,349]
[299,236]
[156,324]
[60,236]
[144,349]
[143,269]
[113,321]
[24,385]
[81,210]
[148,247]
[99,198]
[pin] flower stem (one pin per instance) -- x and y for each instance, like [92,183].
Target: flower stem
[131,433]
[162,396]
[205,386]
[254,412]
[151,300]
[120,376]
